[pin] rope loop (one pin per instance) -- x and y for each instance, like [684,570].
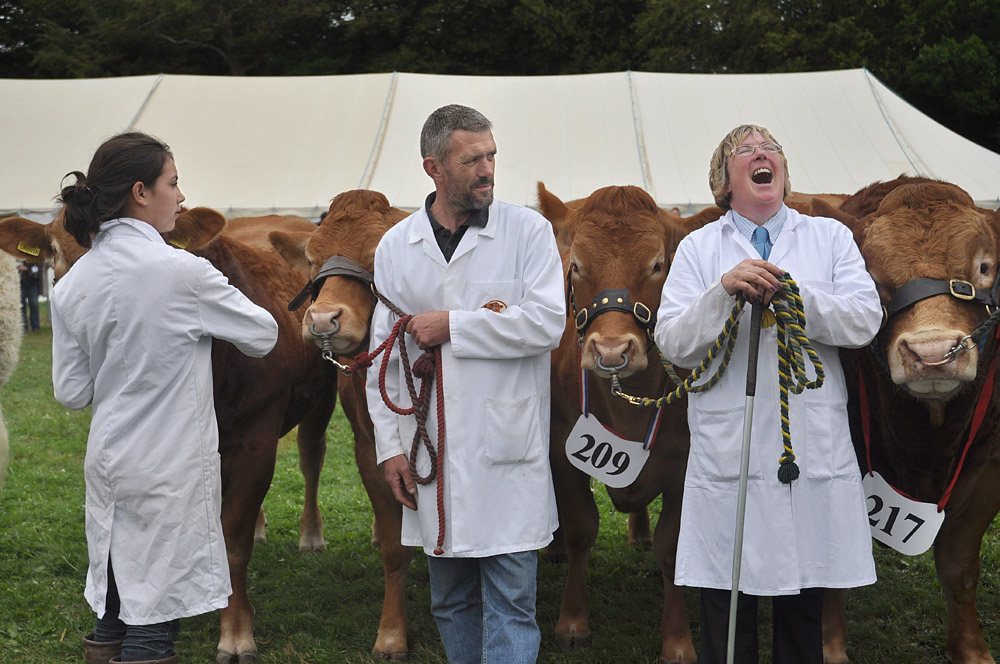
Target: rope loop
[793,349]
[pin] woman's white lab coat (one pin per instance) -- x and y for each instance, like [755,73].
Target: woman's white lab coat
[133,322]
[498,494]
[814,532]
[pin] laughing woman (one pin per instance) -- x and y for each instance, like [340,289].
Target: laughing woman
[806,525]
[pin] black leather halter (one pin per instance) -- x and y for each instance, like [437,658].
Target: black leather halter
[333,266]
[611,299]
[920,289]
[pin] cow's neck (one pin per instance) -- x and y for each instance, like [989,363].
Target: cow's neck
[913,443]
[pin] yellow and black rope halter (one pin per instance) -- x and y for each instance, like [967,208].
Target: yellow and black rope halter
[793,347]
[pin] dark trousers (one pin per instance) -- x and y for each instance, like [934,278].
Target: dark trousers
[29,306]
[142,643]
[798,627]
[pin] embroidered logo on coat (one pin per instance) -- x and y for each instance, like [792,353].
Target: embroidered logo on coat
[495,305]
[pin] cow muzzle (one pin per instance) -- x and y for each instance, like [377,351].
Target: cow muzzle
[933,364]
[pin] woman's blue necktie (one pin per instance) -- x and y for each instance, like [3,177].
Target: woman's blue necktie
[760,242]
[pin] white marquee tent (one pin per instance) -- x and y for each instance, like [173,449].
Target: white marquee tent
[253,146]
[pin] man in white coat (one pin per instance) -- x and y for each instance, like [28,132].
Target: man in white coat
[483,280]
[802,536]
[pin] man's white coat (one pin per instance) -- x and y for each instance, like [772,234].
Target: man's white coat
[814,532]
[132,324]
[498,495]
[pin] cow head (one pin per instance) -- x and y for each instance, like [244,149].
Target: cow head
[616,246]
[31,241]
[930,231]
[342,304]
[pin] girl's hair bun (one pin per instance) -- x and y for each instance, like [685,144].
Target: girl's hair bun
[77,193]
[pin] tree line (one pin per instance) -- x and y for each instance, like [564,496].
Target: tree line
[943,56]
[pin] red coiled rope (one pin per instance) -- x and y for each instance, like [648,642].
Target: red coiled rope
[427,368]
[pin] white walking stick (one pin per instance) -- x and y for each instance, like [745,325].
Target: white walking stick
[741,504]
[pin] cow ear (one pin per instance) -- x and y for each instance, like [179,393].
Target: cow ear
[551,207]
[292,247]
[196,228]
[557,212]
[820,208]
[25,240]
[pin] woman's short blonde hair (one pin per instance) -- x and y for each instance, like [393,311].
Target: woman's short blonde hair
[718,171]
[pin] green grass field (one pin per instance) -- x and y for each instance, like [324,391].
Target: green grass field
[324,607]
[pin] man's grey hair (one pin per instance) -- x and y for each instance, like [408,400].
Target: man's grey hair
[434,138]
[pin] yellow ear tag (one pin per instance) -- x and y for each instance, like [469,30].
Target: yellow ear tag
[31,251]
[180,244]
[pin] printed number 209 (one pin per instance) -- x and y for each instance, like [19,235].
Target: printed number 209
[602,455]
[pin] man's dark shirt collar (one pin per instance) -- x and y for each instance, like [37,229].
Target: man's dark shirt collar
[446,240]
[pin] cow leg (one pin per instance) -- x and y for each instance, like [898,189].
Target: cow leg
[639,532]
[260,528]
[311,441]
[391,641]
[834,627]
[579,521]
[956,557]
[675,629]
[247,470]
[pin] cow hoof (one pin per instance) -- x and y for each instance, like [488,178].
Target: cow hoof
[226,657]
[572,641]
[643,544]
[306,547]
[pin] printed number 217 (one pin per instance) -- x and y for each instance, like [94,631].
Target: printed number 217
[891,521]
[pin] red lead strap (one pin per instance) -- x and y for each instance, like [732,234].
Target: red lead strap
[977,419]
[417,409]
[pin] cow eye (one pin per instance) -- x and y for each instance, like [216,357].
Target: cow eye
[657,268]
[984,268]
[574,268]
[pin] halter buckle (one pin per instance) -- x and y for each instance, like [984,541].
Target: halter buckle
[962,289]
[642,313]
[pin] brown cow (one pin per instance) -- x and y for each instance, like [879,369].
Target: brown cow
[340,316]
[256,400]
[617,239]
[921,398]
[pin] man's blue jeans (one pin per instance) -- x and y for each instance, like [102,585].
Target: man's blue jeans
[485,608]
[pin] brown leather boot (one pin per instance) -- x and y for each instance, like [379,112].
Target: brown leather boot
[100,652]
[173,659]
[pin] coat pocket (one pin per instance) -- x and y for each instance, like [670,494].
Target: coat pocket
[717,444]
[497,296]
[826,449]
[513,430]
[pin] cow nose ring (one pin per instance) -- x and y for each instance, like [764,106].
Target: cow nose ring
[324,335]
[967,343]
[601,366]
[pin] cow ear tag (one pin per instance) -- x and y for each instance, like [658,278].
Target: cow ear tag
[28,249]
[180,244]
[905,525]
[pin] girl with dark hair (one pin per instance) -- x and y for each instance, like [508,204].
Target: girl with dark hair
[132,325]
